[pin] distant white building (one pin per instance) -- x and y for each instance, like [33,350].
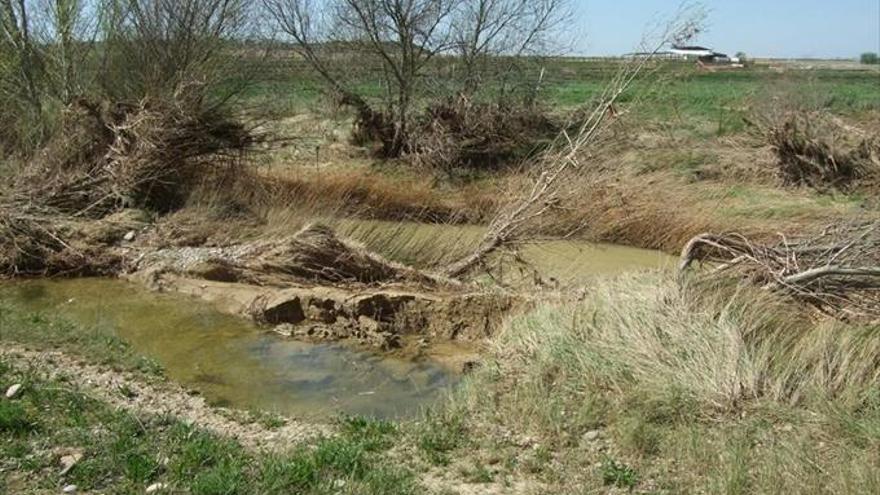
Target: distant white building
[701,54]
[691,52]
[704,56]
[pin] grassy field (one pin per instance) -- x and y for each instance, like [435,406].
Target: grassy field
[670,89]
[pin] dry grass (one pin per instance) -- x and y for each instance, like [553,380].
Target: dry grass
[819,150]
[732,392]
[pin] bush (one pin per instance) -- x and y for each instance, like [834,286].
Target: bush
[818,150]
[870,58]
[461,134]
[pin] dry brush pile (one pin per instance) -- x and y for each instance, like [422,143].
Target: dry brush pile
[819,150]
[110,157]
[459,133]
[836,271]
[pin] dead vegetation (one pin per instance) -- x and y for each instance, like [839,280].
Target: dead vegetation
[818,150]
[836,271]
[462,134]
[315,254]
[114,157]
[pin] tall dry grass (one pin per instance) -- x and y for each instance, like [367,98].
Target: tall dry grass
[718,391]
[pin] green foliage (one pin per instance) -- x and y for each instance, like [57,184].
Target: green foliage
[123,453]
[440,435]
[15,419]
[618,474]
[870,58]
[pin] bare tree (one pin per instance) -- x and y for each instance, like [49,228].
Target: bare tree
[484,29]
[556,175]
[154,46]
[405,36]
[20,51]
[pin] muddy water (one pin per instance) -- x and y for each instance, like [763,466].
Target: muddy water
[232,362]
[561,262]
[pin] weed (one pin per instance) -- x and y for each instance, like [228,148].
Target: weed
[15,419]
[618,474]
[438,436]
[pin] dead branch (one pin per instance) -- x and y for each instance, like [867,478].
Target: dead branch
[836,271]
[563,159]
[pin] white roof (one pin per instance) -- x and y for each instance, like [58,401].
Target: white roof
[704,52]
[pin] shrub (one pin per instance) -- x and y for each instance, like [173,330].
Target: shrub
[461,134]
[817,150]
[869,58]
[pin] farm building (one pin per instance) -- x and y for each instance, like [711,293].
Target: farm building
[702,54]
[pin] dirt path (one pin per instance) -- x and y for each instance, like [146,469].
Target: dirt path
[162,398]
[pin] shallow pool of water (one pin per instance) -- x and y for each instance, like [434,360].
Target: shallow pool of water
[231,361]
[568,262]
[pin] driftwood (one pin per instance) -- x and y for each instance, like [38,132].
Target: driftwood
[316,254]
[836,271]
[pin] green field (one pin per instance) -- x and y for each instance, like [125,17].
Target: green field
[670,89]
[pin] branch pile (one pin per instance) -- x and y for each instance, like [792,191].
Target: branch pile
[147,155]
[836,271]
[818,150]
[107,158]
[461,133]
[316,254]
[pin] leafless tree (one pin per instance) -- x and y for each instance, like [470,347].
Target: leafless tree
[154,46]
[557,174]
[405,36]
[486,29]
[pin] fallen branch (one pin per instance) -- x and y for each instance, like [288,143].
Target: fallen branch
[836,271]
[554,171]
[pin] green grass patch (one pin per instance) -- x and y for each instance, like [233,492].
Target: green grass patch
[125,453]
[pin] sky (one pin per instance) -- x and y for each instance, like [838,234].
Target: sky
[760,28]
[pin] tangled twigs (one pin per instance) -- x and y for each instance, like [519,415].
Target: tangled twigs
[837,271]
[819,150]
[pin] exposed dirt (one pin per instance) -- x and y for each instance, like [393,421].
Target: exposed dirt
[163,398]
[388,318]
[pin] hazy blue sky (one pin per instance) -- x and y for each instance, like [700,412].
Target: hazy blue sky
[778,28]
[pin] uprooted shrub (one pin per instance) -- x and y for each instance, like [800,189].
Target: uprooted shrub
[817,150]
[459,133]
[112,156]
[836,271]
[146,155]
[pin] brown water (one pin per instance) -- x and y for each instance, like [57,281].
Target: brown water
[567,262]
[232,362]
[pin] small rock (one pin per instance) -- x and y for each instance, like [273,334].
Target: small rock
[591,435]
[156,487]
[12,391]
[69,489]
[129,236]
[284,329]
[68,461]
